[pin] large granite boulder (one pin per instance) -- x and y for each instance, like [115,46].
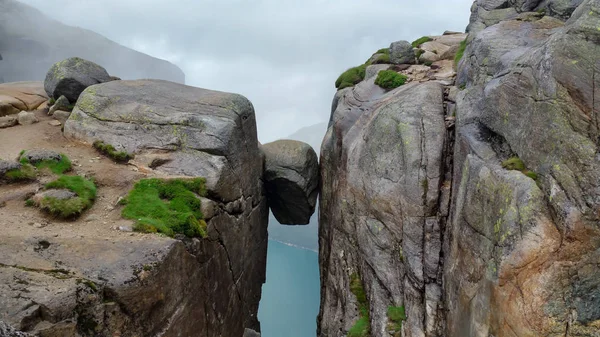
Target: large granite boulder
[291,179]
[74,283]
[21,96]
[401,52]
[198,132]
[71,76]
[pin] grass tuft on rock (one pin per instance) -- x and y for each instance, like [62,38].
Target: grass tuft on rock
[167,206]
[69,208]
[362,326]
[382,59]
[57,167]
[395,316]
[111,152]
[418,42]
[389,79]
[460,52]
[515,163]
[25,173]
[351,77]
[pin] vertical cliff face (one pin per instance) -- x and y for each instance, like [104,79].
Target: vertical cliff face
[527,250]
[487,228]
[85,278]
[384,204]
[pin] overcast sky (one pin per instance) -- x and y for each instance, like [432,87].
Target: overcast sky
[284,55]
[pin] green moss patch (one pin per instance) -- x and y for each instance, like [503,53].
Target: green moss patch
[111,152]
[351,77]
[515,163]
[389,79]
[362,326]
[25,173]
[167,206]
[382,59]
[395,316]
[418,42]
[460,52]
[68,208]
[58,167]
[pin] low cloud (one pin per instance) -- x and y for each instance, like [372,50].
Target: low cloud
[283,55]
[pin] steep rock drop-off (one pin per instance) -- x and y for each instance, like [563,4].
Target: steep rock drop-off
[490,227]
[88,279]
[90,275]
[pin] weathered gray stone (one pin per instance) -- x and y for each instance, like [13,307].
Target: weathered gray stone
[60,194]
[27,118]
[71,76]
[8,331]
[372,70]
[193,126]
[428,57]
[38,155]
[291,180]
[529,93]
[209,287]
[401,52]
[62,103]
[382,160]
[8,121]
[6,165]
[61,115]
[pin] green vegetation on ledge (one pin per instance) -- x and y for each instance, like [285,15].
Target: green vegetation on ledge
[515,163]
[68,208]
[418,42]
[362,326]
[389,79]
[351,77]
[460,52]
[396,315]
[57,167]
[110,151]
[167,206]
[26,172]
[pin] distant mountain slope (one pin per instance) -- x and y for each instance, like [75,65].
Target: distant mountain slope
[30,42]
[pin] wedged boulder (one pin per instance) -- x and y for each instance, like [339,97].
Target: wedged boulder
[401,52]
[291,179]
[71,76]
[21,96]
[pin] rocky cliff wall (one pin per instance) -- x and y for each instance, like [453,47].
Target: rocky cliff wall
[491,226]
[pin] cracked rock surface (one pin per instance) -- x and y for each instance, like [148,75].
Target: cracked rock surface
[92,278]
[416,201]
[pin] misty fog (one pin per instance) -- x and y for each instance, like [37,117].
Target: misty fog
[283,55]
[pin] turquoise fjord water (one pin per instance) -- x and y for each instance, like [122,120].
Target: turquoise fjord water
[290,297]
